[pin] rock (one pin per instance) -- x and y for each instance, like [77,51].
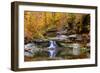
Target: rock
[76,49]
[30,49]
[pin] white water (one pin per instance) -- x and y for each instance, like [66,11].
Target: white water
[52,49]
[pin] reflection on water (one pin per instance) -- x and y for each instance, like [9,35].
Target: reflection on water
[52,49]
[53,46]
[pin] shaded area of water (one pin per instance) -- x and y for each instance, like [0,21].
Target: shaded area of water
[55,49]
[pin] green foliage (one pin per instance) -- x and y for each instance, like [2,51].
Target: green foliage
[39,23]
[71,18]
[41,54]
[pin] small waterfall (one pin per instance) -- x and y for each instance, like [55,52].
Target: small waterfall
[52,49]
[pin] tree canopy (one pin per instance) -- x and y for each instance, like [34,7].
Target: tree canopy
[37,24]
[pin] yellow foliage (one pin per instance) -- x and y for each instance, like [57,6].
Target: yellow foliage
[37,23]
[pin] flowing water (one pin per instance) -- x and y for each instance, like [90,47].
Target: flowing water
[52,49]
